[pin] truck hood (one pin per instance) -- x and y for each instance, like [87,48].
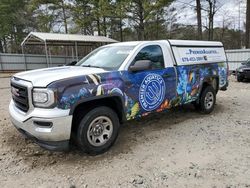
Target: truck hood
[43,77]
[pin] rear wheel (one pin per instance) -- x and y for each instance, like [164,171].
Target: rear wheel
[207,100]
[97,130]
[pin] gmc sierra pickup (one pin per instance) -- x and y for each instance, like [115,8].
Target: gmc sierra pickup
[87,102]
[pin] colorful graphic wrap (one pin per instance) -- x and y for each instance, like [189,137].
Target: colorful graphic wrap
[143,92]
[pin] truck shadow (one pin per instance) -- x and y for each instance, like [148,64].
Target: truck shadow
[132,133]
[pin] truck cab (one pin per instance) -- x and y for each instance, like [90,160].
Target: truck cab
[87,102]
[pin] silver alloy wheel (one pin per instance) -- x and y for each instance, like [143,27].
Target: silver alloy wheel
[100,131]
[209,100]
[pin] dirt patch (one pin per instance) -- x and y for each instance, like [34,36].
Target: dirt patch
[180,148]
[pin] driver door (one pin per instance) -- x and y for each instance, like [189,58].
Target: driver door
[151,89]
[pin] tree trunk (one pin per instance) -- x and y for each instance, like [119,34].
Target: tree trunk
[223,30]
[85,28]
[98,27]
[5,47]
[141,21]
[212,28]
[1,46]
[198,11]
[248,25]
[64,18]
[121,32]
[210,20]
[104,26]
[157,27]
[211,13]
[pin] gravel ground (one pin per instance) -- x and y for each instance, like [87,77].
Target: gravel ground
[180,148]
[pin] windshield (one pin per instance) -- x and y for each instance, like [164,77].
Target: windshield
[108,57]
[248,62]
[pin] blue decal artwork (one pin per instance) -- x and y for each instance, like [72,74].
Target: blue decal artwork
[222,69]
[141,93]
[152,92]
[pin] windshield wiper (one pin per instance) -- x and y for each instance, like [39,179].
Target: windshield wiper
[92,66]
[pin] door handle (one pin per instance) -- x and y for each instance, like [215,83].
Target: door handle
[166,75]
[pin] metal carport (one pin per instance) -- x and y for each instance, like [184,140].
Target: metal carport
[58,39]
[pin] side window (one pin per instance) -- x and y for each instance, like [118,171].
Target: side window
[152,53]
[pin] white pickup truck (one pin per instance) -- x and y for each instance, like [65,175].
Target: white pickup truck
[87,102]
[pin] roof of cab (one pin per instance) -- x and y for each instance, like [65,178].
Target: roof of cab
[194,43]
[173,43]
[131,43]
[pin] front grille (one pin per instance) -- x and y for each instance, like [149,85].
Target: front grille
[20,96]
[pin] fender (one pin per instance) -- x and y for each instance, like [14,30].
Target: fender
[82,101]
[208,79]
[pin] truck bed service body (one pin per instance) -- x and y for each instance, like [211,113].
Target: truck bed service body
[114,83]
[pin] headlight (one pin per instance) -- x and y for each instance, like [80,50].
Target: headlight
[43,97]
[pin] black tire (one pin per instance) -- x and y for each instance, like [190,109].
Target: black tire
[239,78]
[196,105]
[82,133]
[207,100]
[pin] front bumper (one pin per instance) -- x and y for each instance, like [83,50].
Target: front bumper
[53,135]
[49,145]
[244,74]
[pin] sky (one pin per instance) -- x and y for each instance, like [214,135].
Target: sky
[231,13]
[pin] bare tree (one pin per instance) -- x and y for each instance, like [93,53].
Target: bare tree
[213,7]
[227,20]
[248,25]
[211,13]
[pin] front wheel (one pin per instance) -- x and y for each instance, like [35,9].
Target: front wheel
[207,100]
[97,130]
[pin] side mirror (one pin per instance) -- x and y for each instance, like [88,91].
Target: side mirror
[141,65]
[72,63]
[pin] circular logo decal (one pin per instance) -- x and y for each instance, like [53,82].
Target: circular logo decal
[152,92]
